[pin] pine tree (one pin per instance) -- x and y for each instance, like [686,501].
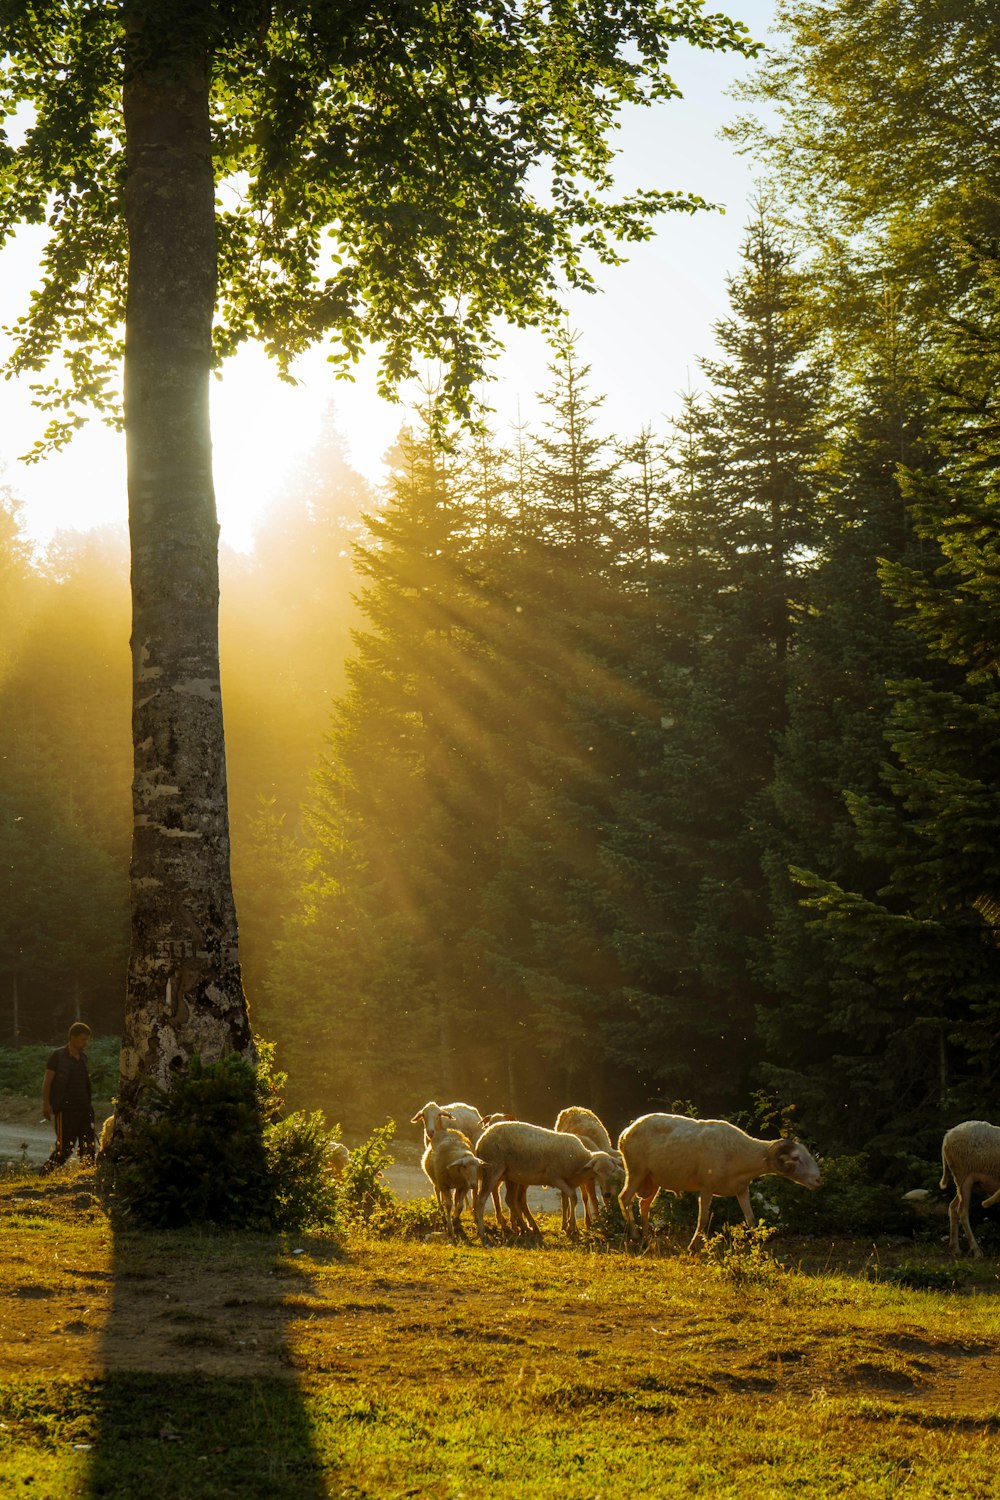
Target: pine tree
[403,823]
[928,933]
[573,468]
[833,1034]
[739,540]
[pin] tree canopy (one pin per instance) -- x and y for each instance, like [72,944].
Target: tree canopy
[396,173]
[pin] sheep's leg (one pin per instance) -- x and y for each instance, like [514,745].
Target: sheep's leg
[525,1211]
[489,1182]
[568,1209]
[958,1213]
[591,1208]
[704,1213]
[444,1204]
[646,1234]
[625,1197]
[459,1197]
[517,1203]
[743,1199]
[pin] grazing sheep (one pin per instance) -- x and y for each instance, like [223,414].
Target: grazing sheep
[526,1156]
[582,1122]
[709,1157]
[467,1119]
[107,1133]
[452,1169]
[577,1120]
[971,1153]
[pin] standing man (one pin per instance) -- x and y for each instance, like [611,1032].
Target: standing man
[66,1098]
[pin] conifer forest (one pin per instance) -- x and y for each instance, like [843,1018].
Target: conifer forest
[646,770]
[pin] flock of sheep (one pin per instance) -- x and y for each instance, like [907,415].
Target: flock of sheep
[468,1156]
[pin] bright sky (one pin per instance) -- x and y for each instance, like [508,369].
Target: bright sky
[642,335]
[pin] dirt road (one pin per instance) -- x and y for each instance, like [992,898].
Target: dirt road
[33,1141]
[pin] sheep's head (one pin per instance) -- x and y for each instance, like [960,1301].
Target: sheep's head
[789,1158]
[427,1116]
[609,1172]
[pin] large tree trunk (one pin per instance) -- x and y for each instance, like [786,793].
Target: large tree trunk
[185,992]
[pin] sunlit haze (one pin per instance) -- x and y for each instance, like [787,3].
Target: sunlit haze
[642,335]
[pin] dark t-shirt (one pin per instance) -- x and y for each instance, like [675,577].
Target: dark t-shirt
[71,1085]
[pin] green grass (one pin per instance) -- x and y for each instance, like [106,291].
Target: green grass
[193,1366]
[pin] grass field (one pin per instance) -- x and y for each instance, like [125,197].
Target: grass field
[192,1366]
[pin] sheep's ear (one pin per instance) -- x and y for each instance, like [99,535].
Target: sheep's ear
[417,1119]
[786,1155]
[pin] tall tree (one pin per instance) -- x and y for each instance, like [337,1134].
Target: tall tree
[928,932]
[403,820]
[738,541]
[831,1030]
[390,168]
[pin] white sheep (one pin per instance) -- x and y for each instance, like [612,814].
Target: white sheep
[971,1153]
[580,1121]
[524,1156]
[709,1157]
[452,1169]
[467,1119]
[463,1117]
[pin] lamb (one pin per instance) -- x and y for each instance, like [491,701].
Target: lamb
[452,1168]
[582,1122]
[971,1153]
[709,1157]
[524,1156]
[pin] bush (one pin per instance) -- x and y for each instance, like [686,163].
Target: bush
[364,1194]
[848,1202]
[740,1257]
[210,1149]
[298,1156]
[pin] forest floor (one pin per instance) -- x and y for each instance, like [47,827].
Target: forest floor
[191,1366]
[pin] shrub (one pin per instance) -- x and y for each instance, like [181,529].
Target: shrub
[364,1193]
[740,1257]
[848,1202]
[298,1155]
[211,1149]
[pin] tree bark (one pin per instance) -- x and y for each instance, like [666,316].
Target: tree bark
[185,992]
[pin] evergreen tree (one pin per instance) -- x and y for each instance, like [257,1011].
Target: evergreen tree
[403,824]
[739,540]
[928,933]
[574,466]
[832,1033]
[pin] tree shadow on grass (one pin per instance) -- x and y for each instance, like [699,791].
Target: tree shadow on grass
[198,1397]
